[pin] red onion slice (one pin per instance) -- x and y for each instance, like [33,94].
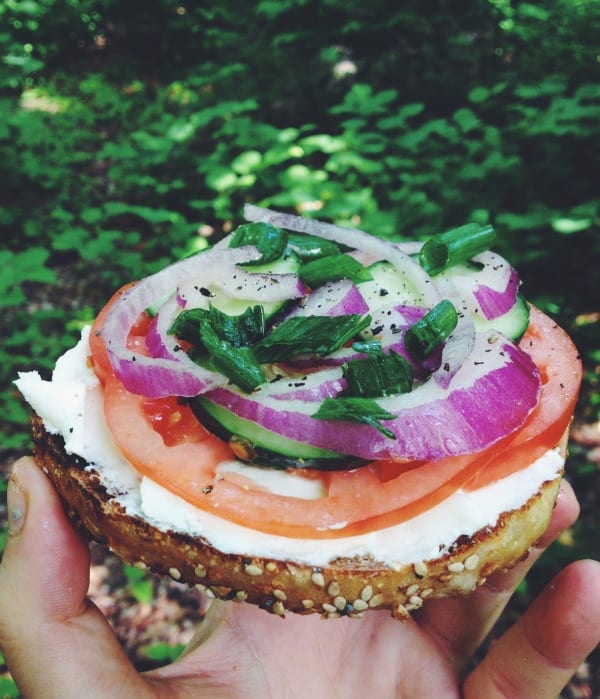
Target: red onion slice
[164,376]
[431,422]
[266,288]
[495,303]
[314,386]
[487,292]
[332,299]
[353,238]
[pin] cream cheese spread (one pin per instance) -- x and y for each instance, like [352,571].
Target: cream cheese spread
[71,406]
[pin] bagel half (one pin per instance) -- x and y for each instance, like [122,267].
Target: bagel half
[343,587]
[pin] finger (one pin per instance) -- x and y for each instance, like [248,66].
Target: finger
[462,623]
[55,642]
[539,654]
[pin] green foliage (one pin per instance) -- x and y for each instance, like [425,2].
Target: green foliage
[139,585]
[163,653]
[130,131]
[8,688]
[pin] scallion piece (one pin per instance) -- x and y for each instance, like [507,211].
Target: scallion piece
[455,246]
[427,334]
[240,330]
[363,410]
[333,268]
[312,335]
[368,347]
[311,247]
[378,375]
[238,364]
[269,240]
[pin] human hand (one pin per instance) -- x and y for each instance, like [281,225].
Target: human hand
[58,644]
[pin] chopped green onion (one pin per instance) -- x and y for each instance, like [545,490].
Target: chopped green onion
[455,246]
[299,335]
[368,347]
[311,247]
[378,375]
[241,330]
[238,364]
[362,410]
[269,240]
[427,334]
[333,268]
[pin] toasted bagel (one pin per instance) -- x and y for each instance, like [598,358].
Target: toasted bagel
[343,587]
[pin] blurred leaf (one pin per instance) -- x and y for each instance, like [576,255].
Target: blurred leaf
[164,652]
[571,225]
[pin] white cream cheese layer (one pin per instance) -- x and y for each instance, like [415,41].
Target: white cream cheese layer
[71,405]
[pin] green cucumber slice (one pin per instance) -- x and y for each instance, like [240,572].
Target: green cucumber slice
[261,446]
[513,323]
[288,264]
[388,287]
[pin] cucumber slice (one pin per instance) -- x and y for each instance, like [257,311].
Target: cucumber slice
[256,444]
[388,287]
[288,264]
[513,323]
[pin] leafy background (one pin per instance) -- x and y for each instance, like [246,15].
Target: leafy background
[132,132]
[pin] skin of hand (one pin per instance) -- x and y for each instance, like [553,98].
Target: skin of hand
[58,644]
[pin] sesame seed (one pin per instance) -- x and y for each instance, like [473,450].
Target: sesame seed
[412,590]
[334,615]
[472,562]
[308,603]
[271,567]
[209,593]
[376,600]
[254,570]
[200,571]
[340,602]
[241,595]
[280,594]
[329,608]
[278,608]
[456,567]
[318,579]
[416,601]
[333,589]
[174,573]
[425,593]
[366,593]
[140,565]
[360,605]
[400,612]
[420,569]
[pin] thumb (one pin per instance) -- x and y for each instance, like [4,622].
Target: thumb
[55,641]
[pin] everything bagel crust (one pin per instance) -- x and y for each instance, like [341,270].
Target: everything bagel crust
[343,587]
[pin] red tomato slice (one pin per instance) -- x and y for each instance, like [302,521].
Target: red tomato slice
[357,501]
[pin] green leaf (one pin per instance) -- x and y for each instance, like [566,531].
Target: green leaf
[479,95]
[8,688]
[164,652]
[571,225]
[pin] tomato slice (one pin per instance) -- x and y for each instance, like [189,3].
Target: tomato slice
[184,459]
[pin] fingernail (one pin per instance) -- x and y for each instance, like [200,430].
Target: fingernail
[16,505]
